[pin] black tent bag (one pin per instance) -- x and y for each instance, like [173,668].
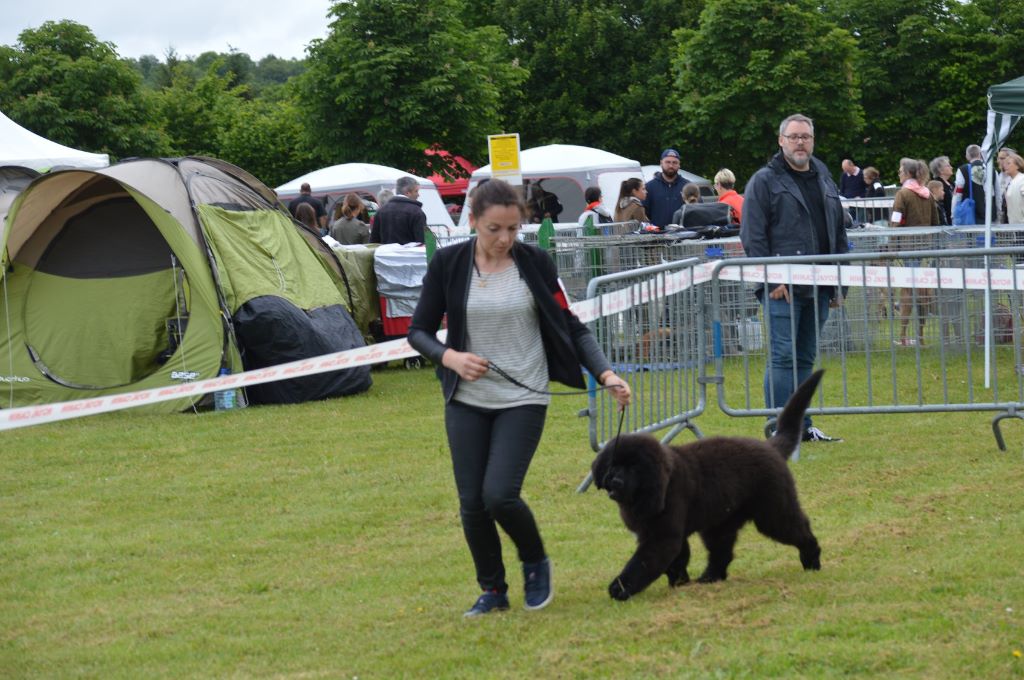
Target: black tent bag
[271,331]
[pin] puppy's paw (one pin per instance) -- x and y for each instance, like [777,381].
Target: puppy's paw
[811,559]
[618,591]
[710,577]
[676,580]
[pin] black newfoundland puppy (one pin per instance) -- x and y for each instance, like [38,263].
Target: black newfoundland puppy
[713,487]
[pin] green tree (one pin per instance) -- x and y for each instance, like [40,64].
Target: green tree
[61,82]
[267,138]
[271,71]
[568,49]
[237,67]
[598,70]
[394,77]
[653,118]
[749,65]
[148,67]
[196,111]
[925,70]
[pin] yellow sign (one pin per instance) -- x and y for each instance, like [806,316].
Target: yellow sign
[504,153]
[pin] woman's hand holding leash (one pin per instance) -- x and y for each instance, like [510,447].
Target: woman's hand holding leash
[619,387]
[469,366]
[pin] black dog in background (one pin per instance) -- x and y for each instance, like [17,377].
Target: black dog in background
[713,487]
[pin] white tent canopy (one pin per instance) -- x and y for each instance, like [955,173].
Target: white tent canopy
[19,146]
[567,170]
[366,178]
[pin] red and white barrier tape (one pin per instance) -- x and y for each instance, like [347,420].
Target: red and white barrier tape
[587,310]
[361,356]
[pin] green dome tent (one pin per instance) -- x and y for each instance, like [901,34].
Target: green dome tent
[154,272]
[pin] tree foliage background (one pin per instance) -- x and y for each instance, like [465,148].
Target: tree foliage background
[882,79]
[395,77]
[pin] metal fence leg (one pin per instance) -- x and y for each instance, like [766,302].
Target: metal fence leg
[1000,442]
[679,427]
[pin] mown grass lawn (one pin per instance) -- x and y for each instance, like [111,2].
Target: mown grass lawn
[322,540]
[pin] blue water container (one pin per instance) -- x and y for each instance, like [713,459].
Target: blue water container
[225,399]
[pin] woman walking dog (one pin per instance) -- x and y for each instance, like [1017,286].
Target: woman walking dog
[506,311]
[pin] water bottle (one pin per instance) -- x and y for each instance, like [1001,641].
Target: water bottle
[225,399]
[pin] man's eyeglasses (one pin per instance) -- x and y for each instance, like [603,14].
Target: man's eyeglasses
[799,138]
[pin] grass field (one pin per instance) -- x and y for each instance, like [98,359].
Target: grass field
[322,541]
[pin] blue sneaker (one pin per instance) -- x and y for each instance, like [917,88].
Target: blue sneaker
[490,601]
[537,584]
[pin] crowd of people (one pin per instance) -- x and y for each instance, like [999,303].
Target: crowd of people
[397,215]
[661,202]
[950,186]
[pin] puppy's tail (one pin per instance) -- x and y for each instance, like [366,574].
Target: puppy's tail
[789,428]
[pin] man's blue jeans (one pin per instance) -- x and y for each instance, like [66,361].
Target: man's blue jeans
[793,330]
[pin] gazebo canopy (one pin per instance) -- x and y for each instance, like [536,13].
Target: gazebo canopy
[1005,109]
[25,148]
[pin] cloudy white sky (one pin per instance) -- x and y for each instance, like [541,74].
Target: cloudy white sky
[191,27]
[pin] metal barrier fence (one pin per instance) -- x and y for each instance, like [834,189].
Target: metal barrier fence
[649,323]
[580,259]
[740,307]
[910,336]
[869,210]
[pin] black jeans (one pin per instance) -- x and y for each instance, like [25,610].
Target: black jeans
[491,452]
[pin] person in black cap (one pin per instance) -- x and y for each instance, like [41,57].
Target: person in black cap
[665,191]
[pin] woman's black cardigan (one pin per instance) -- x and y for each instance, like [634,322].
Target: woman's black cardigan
[567,342]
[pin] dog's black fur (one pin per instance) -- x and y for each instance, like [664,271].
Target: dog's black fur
[712,487]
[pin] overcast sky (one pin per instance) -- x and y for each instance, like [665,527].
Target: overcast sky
[191,27]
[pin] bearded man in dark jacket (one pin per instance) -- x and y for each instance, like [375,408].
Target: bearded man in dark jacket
[792,207]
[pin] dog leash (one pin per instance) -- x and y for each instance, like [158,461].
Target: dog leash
[622,411]
[497,369]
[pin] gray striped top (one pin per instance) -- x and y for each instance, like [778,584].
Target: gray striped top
[502,327]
